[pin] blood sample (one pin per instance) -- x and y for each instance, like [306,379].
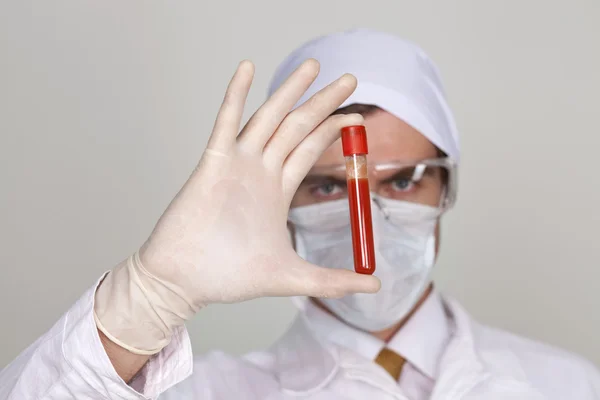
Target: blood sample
[354,145]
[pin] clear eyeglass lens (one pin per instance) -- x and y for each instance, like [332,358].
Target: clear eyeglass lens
[417,183]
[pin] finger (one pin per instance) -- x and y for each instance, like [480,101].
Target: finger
[300,122]
[304,156]
[227,124]
[305,279]
[265,121]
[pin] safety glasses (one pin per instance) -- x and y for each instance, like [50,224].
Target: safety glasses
[431,182]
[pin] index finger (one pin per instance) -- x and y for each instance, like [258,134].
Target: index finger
[227,124]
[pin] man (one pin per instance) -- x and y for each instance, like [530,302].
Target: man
[226,238]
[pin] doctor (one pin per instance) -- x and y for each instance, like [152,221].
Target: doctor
[226,238]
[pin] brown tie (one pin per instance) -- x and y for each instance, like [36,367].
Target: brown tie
[391,361]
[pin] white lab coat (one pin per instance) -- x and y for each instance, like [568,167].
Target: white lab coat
[479,363]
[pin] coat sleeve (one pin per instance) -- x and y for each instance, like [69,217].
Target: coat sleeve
[593,381]
[69,362]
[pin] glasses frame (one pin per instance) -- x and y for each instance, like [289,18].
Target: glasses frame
[449,164]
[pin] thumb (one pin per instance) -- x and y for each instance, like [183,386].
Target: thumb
[306,279]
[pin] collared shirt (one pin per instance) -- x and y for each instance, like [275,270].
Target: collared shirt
[421,341]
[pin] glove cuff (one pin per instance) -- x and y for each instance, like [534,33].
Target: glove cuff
[137,310]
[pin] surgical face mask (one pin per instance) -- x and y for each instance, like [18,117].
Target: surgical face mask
[404,235]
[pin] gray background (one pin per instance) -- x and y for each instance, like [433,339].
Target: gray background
[105,108]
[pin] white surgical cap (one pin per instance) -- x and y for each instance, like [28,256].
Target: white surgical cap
[392,73]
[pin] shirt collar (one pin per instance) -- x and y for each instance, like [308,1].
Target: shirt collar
[421,341]
[424,337]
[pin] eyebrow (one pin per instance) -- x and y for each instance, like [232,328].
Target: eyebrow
[405,173]
[319,179]
[408,173]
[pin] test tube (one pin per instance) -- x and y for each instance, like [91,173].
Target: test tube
[354,145]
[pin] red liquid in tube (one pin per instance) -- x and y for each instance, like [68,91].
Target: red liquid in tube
[354,143]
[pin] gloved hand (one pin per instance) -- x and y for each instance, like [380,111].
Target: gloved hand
[224,238]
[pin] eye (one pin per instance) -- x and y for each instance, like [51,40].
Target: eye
[327,189]
[402,185]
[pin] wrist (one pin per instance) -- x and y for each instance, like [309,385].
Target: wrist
[137,311]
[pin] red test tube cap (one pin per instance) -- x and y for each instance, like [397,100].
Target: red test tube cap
[354,140]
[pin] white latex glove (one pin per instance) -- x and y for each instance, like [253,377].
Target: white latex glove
[224,237]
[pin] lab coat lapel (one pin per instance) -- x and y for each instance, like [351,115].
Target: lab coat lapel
[303,364]
[469,370]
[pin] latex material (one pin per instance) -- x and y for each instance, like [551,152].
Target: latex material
[404,235]
[223,238]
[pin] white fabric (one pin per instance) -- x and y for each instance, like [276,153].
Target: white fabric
[479,362]
[423,339]
[404,240]
[421,342]
[392,73]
